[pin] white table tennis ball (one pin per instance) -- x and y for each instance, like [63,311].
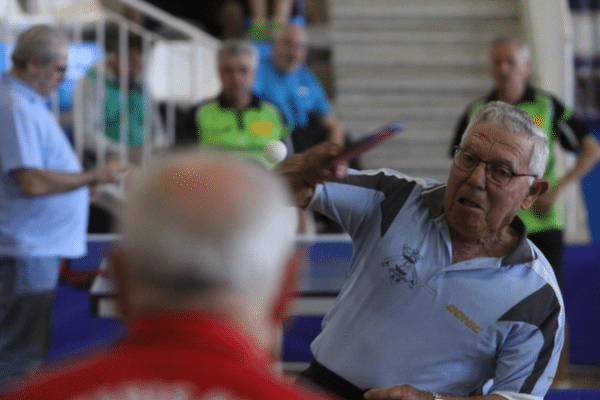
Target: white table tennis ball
[275,151]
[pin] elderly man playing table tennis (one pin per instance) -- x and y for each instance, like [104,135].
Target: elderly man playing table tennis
[445,297]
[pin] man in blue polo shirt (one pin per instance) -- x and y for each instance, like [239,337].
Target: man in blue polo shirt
[43,199]
[284,80]
[445,297]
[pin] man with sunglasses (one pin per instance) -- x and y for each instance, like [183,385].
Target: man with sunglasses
[44,198]
[445,297]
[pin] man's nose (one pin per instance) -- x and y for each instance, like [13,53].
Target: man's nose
[505,67]
[478,176]
[238,76]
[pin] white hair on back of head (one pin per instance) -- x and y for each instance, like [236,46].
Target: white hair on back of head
[198,221]
[518,121]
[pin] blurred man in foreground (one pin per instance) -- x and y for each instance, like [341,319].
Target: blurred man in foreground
[445,297]
[204,270]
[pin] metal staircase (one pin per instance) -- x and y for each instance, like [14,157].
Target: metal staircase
[415,61]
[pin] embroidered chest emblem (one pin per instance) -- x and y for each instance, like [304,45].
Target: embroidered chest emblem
[537,119]
[402,269]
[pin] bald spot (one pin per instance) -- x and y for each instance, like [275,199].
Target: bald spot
[202,198]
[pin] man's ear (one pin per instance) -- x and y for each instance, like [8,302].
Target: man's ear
[536,190]
[289,284]
[32,64]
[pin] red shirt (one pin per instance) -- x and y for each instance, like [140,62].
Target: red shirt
[185,354]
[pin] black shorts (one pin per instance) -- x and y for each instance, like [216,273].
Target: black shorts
[318,377]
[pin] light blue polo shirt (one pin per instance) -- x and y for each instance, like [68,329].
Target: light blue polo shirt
[41,226]
[407,315]
[295,94]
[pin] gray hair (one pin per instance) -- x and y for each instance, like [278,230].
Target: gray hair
[198,222]
[524,50]
[237,47]
[515,120]
[43,42]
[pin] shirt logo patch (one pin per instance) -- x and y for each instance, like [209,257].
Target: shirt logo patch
[303,91]
[261,128]
[462,317]
[537,119]
[402,270]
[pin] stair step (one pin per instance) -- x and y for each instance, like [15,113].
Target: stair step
[413,135]
[404,113]
[427,53]
[425,165]
[421,152]
[349,72]
[422,38]
[423,9]
[403,100]
[427,131]
[495,26]
[474,86]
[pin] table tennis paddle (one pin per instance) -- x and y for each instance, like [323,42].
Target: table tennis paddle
[366,143]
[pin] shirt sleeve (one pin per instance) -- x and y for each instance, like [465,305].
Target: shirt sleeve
[346,204]
[21,141]
[528,357]
[364,200]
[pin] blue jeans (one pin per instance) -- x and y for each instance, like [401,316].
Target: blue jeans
[25,315]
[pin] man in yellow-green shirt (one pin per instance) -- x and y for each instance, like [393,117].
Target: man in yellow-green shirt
[510,68]
[237,120]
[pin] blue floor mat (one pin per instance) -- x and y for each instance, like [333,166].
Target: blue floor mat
[75,331]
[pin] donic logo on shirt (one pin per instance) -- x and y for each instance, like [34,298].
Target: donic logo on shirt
[402,269]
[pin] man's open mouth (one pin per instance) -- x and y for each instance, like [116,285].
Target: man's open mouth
[468,203]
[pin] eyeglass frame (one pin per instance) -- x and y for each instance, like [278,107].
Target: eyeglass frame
[487,168]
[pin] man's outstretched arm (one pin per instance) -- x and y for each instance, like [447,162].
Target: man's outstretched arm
[305,170]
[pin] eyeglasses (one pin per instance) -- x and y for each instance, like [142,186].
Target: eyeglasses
[496,173]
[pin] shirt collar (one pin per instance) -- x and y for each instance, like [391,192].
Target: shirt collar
[196,329]
[22,87]
[528,95]
[255,102]
[433,197]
